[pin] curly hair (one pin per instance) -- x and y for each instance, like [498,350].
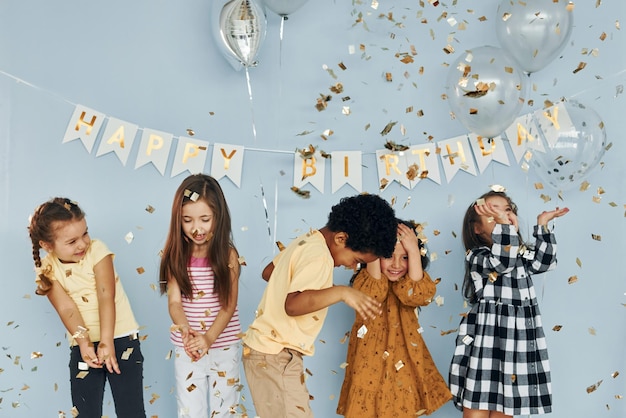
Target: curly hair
[368,220]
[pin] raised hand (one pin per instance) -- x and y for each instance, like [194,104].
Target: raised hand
[364,305]
[546,216]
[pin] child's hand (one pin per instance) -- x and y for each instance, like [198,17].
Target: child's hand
[106,357]
[184,333]
[498,215]
[197,345]
[366,306]
[89,356]
[546,216]
[408,239]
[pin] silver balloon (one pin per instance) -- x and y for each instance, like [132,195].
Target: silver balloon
[241,30]
[485,90]
[534,32]
[284,7]
[571,155]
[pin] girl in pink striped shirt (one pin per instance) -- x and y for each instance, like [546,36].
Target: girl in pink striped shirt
[200,272]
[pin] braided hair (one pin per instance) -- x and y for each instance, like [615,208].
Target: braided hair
[41,228]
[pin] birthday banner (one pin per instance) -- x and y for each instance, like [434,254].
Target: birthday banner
[406,165]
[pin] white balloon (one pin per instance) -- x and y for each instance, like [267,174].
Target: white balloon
[534,32]
[485,90]
[284,7]
[241,27]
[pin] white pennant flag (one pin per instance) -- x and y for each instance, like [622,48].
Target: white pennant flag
[85,125]
[309,170]
[191,155]
[392,166]
[486,150]
[118,137]
[522,135]
[227,161]
[424,157]
[154,148]
[455,155]
[346,169]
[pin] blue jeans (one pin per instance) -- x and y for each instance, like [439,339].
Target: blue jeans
[126,388]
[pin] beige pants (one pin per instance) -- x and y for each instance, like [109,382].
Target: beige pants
[276,383]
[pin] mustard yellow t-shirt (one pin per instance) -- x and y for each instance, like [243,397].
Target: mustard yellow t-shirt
[305,264]
[79,281]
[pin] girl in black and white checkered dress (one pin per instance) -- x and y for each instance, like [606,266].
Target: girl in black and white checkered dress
[500,365]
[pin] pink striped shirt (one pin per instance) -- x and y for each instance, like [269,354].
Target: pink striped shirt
[202,309]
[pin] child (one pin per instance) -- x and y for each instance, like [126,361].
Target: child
[500,365]
[78,277]
[200,273]
[390,372]
[299,291]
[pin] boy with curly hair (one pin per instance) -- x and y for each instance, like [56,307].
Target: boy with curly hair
[300,289]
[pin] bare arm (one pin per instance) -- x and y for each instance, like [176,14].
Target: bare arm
[105,291]
[175,308]
[72,319]
[307,301]
[374,270]
[267,271]
[411,246]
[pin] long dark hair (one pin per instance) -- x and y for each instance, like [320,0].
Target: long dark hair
[41,229]
[177,250]
[472,240]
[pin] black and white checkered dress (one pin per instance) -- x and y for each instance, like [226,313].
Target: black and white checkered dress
[501,360]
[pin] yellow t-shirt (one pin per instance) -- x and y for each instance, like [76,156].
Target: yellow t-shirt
[305,264]
[79,281]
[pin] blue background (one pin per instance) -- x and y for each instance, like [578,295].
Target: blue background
[157,65]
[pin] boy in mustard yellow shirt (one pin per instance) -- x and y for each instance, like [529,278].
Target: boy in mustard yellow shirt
[300,289]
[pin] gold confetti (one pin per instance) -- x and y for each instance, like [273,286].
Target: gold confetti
[35,354]
[580,67]
[141,270]
[190,132]
[572,279]
[82,374]
[593,387]
[191,388]
[493,276]
[596,237]
[592,331]
[399,365]
[392,146]
[388,128]
[557,328]
[305,194]
[126,354]
[150,209]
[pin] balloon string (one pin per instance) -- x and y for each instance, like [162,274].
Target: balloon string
[267,216]
[251,107]
[280,47]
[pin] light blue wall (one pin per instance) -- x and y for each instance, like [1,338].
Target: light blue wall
[155,64]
